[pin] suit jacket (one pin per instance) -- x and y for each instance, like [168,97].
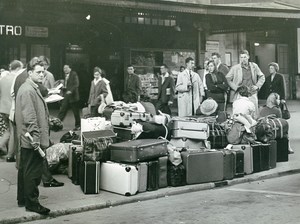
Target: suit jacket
[163,88]
[5,93]
[132,88]
[32,115]
[72,85]
[96,91]
[275,86]
[223,69]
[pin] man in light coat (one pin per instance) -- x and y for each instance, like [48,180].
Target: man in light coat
[190,90]
[248,74]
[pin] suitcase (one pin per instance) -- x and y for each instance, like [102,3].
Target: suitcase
[248,157]
[95,144]
[229,164]
[126,118]
[217,136]
[119,178]
[273,153]
[261,157]
[142,176]
[90,177]
[138,150]
[76,163]
[72,148]
[239,162]
[187,143]
[202,166]
[176,175]
[163,168]
[153,175]
[123,134]
[282,150]
[190,129]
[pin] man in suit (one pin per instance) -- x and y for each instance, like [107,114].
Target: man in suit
[132,90]
[190,90]
[216,57]
[246,74]
[71,96]
[166,86]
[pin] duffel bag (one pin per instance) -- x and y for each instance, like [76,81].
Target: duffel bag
[280,127]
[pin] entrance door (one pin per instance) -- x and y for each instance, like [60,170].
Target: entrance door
[283,61]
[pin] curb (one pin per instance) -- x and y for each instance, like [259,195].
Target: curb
[128,200]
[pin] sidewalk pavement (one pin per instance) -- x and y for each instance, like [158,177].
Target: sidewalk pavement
[70,199]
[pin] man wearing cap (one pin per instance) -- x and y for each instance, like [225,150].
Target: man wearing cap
[274,82]
[190,90]
[246,74]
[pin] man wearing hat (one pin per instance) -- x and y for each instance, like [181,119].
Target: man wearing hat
[209,107]
[274,82]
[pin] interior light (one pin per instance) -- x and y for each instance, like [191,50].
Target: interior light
[88,17]
[256,44]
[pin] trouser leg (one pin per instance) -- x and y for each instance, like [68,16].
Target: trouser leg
[46,176]
[12,143]
[76,113]
[32,164]
[63,110]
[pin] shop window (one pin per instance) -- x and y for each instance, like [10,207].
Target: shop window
[160,22]
[154,21]
[147,21]
[141,20]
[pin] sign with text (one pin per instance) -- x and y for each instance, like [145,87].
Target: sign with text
[10,30]
[36,31]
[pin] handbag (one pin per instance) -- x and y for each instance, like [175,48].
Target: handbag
[285,112]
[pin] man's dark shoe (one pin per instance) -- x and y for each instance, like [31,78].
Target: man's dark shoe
[38,209]
[21,203]
[76,129]
[53,183]
[10,159]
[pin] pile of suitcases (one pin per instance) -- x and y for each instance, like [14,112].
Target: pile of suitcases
[127,166]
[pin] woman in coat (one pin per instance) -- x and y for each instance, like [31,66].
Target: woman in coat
[98,92]
[217,86]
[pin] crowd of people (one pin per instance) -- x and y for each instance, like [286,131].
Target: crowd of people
[24,112]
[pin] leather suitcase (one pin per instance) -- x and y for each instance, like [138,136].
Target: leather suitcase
[248,157]
[142,176]
[70,157]
[187,143]
[190,129]
[138,150]
[119,178]
[176,175]
[273,153]
[163,167]
[217,136]
[261,157]
[202,166]
[123,134]
[153,175]
[76,163]
[90,177]
[239,162]
[229,164]
[95,144]
[282,150]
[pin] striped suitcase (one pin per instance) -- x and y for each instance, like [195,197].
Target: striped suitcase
[90,177]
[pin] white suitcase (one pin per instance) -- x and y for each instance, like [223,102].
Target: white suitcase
[119,178]
[142,176]
[190,129]
[248,157]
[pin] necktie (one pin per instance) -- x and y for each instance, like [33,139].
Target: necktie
[192,89]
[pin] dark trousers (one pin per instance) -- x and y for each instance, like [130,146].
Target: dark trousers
[29,176]
[66,104]
[46,176]
[94,111]
[163,107]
